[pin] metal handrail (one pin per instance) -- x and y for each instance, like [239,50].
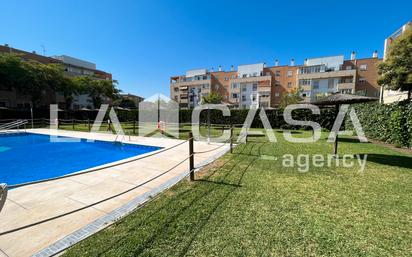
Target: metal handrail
[11,125]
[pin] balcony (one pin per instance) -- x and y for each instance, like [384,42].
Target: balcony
[305,87]
[235,90]
[328,74]
[252,79]
[264,89]
[184,81]
[350,85]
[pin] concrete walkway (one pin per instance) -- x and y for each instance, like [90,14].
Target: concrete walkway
[36,202]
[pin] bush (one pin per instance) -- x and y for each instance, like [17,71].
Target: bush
[275,117]
[387,123]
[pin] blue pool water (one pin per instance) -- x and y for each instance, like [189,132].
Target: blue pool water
[30,157]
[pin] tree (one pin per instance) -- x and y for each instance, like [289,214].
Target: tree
[33,79]
[292,97]
[37,80]
[97,89]
[125,103]
[212,98]
[396,71]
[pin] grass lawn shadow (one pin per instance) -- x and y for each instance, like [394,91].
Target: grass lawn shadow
[391,160]
[350,140]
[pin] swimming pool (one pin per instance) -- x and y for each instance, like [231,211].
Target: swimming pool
[31,157]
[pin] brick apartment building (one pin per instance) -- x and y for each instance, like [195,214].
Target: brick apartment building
[262,86]
[10,98]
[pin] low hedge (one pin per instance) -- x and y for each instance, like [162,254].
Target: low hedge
[275,117]
[390,123]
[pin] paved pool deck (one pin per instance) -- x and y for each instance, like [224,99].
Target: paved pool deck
[32,203]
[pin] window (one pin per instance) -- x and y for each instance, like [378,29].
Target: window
[244,89]
[363,67]
[253,98]
[205,86]
[254,87]
[2,104]
[234,95]
[175,97]
[306,94]
[234,85]
[349,67]
[233,76]
[290,73]
[316,84]
[277,83]
[304,82]
[330,83]
[310,69]
[362,80]
[243,98]
[289,84]
[176,89]
[276,94]
[346,91]
[226,78]
[277,73]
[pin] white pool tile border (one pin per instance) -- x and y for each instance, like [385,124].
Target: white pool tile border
[118,213]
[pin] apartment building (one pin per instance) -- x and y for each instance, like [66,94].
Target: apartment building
[74,67]
[9,98]
[319,77]
[390,96]
[256,85]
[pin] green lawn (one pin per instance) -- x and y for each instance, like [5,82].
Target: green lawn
[248,204]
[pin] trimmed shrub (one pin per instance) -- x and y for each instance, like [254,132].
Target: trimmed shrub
[390,123]
[238,117]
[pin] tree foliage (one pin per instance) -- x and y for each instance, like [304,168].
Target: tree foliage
[396,71]
[212,98]
[34,80]
[292,97]
[125,102]
[96,89]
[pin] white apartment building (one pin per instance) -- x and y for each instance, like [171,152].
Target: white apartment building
[319,77]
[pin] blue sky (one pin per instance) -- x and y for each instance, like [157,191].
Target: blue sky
[143,43]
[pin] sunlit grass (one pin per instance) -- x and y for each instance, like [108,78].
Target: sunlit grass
[246,205]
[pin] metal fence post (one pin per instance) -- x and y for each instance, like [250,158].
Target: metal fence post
[231,139]
[73,123]
[3,195]
[191,157]
[134,127]
[88,124]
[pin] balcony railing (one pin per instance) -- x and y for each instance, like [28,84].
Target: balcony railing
[346,85]
[252,79]
[329,74]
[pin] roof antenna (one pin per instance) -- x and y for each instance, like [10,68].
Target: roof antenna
[44,49]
